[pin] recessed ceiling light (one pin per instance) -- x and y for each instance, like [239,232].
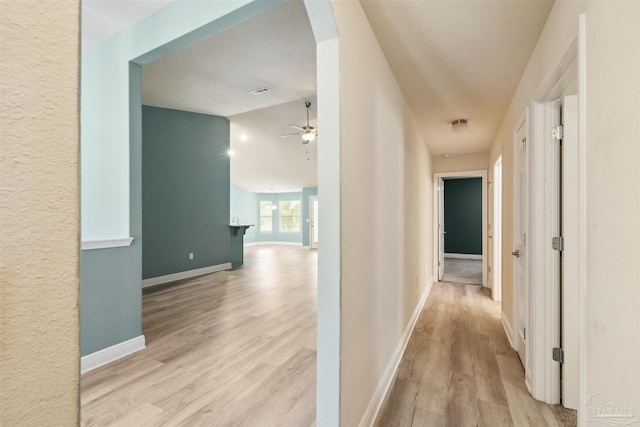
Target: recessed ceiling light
[260,91]
[459,125]
[446,155]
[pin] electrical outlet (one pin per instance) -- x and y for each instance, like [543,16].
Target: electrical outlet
[190,255]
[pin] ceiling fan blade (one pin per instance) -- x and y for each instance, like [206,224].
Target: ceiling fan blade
[296,127]
[289,134]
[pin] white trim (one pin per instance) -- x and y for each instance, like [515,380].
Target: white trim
[389,375]
[508,330]
[106,243]
[274,243]
[111,354]
[526,247]
[184,274]
[544,274]
[582,217]
[485,213]
[463,256]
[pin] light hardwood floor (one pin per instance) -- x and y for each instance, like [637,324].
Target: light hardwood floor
[233,348]
[238,348]
[459,369]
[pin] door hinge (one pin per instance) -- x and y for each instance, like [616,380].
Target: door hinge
[557,243]
[558,354]
[438,263]
[557,133]
[489,267]
[524,144]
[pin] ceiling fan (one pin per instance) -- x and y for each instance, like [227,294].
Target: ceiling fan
[307,133]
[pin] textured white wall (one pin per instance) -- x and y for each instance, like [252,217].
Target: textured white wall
[39,213]
[386,212]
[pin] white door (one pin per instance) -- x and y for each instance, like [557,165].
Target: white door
[496,232]
[569,282]
[441,231]
[520,196]
[313,222]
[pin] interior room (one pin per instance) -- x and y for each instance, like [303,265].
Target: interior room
[539,98]
[229,177]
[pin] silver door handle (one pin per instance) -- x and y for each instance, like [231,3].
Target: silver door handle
[516,253]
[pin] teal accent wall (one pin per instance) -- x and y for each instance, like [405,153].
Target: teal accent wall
[185,191]
[306,193]
[244,205]
[463,216]
[276,235]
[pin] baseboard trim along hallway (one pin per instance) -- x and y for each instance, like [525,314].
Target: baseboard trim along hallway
[184,275]
[508,330]
[389,376]
[110,354]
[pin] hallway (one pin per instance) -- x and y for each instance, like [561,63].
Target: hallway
[459,370]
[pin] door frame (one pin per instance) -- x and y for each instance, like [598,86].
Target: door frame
[312,222]
[523,122]
[544,281]
[495,228]
[436,207]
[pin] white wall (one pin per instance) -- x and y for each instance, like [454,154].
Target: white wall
[386,196]
[460,162]
[611,92]
[612,140]
[39,213]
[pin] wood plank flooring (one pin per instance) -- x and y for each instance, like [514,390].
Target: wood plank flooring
[238,348]
[233,348]
[459,369]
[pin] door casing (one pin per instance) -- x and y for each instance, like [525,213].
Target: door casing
[436,213]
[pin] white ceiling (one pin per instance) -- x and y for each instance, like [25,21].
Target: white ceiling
[263,162]
[458,59]
[452,59]
[275,49]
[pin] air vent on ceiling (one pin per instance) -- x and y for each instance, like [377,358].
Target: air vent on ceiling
[260,91]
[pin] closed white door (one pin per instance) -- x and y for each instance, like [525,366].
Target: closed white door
[441,231]
[313,221]
[519,252]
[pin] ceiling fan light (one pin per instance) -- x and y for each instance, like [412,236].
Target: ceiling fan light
[308,136]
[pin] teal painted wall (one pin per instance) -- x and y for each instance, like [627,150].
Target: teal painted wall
[463,216]
[244,205]
[276,235]
[185,191]
[110,279]
[306,193]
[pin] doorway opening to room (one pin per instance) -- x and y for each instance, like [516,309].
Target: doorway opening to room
[461,227]
[241,327]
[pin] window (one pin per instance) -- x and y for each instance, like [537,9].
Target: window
[266,216]
[289,216]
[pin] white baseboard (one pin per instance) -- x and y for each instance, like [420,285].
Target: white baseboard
[273,243]
[463,256]
[389,375]
[110,354]
[508,330]
[184,275]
